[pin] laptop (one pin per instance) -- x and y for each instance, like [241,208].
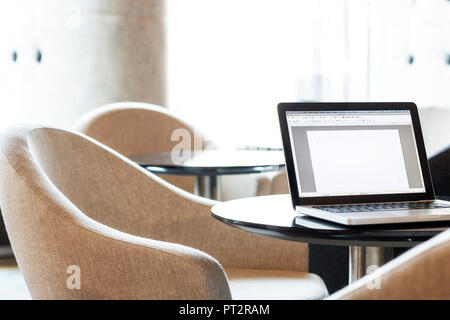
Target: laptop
[358,163]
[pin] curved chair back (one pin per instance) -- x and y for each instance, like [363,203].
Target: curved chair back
[136,128]
[59,190]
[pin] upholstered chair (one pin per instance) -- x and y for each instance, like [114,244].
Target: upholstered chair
[75,210]
[132,128]
[136,128]
[423,272]
[273,184]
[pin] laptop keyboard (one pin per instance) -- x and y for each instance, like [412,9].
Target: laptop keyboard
[392,206]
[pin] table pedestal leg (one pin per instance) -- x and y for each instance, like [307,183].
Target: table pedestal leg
[356,263]
[363,260]
[207,186]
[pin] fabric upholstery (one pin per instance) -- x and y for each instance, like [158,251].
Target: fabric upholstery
[68,200]
[275,184]
[251,284]
[280,183]
[49,233]
[423,272]
[136,128]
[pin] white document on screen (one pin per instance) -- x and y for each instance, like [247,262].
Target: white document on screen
[357,161]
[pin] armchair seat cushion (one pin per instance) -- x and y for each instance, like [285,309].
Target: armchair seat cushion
[254,284]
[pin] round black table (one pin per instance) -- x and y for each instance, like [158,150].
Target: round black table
[207,165]
[274,216]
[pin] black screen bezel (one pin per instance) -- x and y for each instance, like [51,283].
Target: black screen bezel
[356,106]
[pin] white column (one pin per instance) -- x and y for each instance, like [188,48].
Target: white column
[92,52]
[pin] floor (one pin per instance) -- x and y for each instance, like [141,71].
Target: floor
[12,285]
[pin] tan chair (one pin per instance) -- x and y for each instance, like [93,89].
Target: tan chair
[421,273]
[68,201]
[136,128]
[274,184]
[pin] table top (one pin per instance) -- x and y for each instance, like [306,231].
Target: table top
[211,162]
[273,216]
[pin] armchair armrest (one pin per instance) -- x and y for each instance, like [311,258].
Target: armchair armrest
[142,204]
[116,265]
[139,268]
[233,247]
[421,273]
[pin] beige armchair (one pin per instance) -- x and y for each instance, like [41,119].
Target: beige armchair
[421,273]
[68,201]
[275,184]
[135,128]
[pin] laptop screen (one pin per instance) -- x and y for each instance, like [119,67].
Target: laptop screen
[347,153]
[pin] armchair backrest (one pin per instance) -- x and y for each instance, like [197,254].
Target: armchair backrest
[135,128]
[66,198]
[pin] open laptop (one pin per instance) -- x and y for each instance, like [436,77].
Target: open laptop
[358,163]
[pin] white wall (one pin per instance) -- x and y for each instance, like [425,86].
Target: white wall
[231,61]
[93,52]
[419,28]
[8,78]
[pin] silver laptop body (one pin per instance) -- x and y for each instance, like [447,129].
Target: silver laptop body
[358,163]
